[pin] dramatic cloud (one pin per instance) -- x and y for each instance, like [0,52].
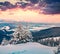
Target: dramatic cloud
[42,6]
[51,1]
[51,7]
[6,5]
[34,1]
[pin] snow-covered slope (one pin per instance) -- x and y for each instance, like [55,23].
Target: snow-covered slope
[26,48]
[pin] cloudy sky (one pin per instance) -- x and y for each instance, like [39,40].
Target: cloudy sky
[47,11]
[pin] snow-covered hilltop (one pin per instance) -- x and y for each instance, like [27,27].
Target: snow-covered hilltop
[26,48]
[19,40]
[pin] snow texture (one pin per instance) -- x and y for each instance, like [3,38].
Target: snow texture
[26,48]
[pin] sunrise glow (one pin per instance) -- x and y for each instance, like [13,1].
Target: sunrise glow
[18,14]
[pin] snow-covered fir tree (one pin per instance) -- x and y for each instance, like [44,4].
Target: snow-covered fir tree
[21,35]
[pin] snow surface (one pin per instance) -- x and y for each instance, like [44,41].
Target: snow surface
[26,48]
[6,27]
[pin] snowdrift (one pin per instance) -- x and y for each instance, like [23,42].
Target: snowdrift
[26,48]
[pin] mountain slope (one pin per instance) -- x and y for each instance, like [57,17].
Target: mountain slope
[5,34]
[50,32]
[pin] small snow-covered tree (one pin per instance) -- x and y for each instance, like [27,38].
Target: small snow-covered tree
[21,35]
[4,42]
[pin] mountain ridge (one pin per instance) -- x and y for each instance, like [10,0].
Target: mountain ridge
[46,33]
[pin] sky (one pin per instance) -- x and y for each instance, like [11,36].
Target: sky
[43,11]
